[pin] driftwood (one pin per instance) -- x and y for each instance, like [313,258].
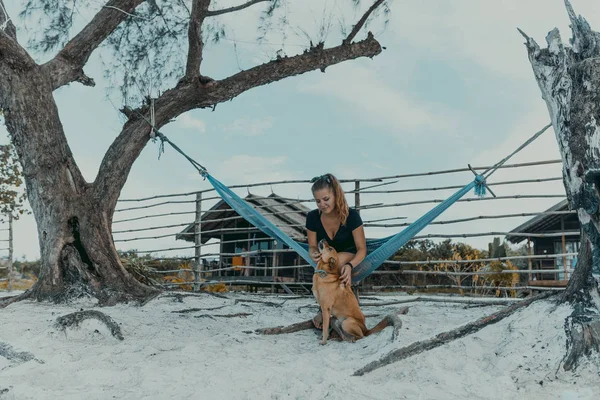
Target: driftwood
[76,318]
[393,320]
[190,310]
[446,337]
[278,330]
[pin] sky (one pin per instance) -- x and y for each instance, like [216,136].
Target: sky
[453,87]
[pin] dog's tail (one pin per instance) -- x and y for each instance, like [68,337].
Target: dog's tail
[380,326]
[392,319]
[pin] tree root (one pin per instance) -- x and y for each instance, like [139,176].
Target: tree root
[76,318]
[6,301]
[190,310]
[10,354]
[223,315]
[278,330]
[266,303]
[180,296]
[446,337]
[583,335]
[393,320]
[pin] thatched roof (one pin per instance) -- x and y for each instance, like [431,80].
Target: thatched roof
[288,212]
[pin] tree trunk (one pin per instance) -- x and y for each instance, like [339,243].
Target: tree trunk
[78,257]
[569,79]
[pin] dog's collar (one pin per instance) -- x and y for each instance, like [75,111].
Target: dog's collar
[322,273]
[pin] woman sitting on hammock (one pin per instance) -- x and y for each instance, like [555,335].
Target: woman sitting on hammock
[338,224]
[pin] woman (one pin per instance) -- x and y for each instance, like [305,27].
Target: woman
[338,224]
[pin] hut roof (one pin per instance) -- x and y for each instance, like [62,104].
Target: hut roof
[539,223]
[288,215]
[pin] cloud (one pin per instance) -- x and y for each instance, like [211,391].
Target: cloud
[241,169]
[250,127]
[378,100]
[189,122]
[485,32]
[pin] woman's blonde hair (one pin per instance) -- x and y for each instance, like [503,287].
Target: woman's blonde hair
[330,182]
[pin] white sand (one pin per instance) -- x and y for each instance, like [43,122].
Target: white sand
[167,355]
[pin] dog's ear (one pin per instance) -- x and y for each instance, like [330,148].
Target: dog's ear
[332,262]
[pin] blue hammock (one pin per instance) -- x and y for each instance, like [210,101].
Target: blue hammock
[378,250]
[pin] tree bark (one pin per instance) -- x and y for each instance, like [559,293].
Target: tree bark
[569,79]
[78,257]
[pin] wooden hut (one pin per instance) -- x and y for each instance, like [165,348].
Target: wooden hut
[562,236]
[235,236]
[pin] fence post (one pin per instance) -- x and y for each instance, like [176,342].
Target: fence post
[357,195]
[198,242]
[356,206]
[10,251]
[529,262]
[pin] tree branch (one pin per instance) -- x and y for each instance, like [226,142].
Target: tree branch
[11,52]
[446,337]
[6,24]
[362,21]
[67,65]
[189,95]
[199,10]
[213,13]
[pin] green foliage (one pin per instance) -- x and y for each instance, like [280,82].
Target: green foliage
[12,190]
[147,52]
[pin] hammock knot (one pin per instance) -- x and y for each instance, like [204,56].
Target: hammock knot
[480,185]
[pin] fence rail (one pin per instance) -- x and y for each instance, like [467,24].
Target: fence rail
[239,259]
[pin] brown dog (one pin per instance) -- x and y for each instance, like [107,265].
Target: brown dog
[337,300]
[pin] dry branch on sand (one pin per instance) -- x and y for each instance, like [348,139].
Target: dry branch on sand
[393,320]
[446,337]
[76,318]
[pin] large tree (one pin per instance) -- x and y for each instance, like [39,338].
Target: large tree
[569,79]
[73,216]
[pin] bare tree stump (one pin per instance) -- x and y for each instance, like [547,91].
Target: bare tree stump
[76,318]
[569,80]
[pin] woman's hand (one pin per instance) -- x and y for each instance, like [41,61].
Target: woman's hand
[346,277]
[315,255]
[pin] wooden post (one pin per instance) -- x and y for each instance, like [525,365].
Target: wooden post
[198,242]
[220,256]
[275,270]
[564,245]
[357,195]
[247,257]
[529,259]
[356,206]
[10,251]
